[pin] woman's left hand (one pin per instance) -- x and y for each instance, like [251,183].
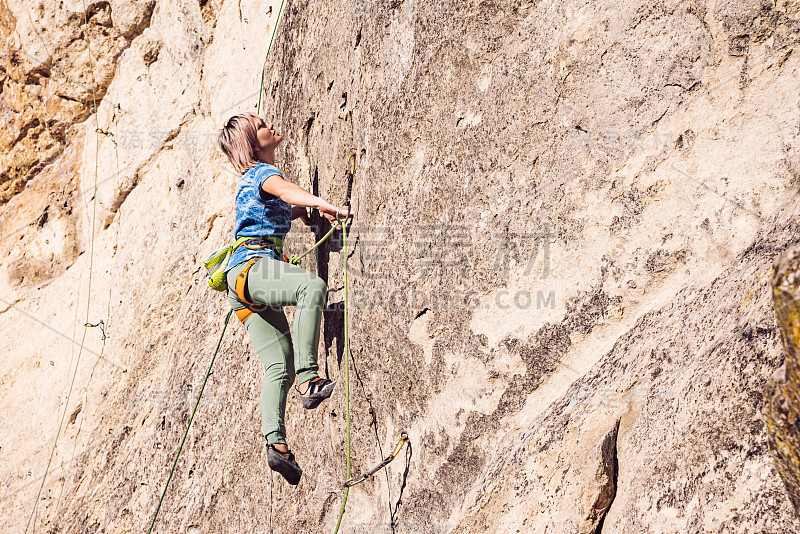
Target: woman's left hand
[300,212]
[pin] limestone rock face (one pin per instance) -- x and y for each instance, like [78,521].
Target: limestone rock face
[50,80]
[566,215]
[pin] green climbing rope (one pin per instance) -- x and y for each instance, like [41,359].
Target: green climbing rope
[295,260]
[191,418]
[346,374]
[274,30]
[350,174]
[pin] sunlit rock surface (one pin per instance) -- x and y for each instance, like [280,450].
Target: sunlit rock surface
[566,217]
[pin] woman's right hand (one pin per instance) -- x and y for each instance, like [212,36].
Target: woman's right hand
[332,213]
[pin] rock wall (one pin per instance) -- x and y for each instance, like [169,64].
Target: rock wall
[566,218]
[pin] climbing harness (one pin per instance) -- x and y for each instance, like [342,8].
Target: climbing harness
[241,286]
[257,243]
[271,242]
[352,481]
[216,263]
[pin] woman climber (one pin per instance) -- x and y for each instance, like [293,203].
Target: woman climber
[260,282]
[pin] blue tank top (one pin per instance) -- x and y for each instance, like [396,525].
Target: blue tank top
[257,217]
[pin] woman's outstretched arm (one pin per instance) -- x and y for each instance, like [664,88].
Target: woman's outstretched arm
[296,195]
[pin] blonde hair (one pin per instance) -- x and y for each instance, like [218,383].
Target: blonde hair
[238,139]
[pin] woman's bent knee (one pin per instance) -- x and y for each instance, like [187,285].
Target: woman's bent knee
[318,290]
[318,285]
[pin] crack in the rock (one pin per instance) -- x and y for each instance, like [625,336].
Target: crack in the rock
[612,484]
[11,305]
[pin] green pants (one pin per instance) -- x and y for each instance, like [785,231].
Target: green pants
[276,284]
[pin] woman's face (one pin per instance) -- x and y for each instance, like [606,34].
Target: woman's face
[267,137]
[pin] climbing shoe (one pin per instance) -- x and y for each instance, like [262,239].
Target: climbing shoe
[318,390]
[284,463]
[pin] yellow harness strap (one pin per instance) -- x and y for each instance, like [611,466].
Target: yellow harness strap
[241,284]
[243,314]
